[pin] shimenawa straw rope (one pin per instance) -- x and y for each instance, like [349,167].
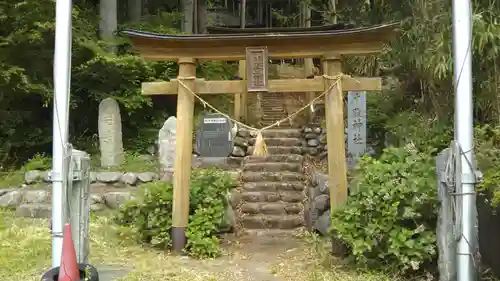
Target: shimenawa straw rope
[260,147]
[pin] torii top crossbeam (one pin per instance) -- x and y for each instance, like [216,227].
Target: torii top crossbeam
[280,45]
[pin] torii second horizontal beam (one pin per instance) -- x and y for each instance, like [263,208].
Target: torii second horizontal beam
[316,84]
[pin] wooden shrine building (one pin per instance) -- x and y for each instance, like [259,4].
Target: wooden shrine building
[257,48]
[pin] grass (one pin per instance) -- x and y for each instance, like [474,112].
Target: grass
[132,163]
[26,253]
[11,178]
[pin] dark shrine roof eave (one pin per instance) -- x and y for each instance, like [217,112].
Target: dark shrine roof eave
[389,27]
[262,29]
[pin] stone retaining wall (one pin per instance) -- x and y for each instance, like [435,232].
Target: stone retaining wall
[36,202]
[314,141]
[108,190]
[117,179]
[242,141]
[317,210]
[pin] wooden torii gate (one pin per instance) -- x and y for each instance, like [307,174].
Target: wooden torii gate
[328,45]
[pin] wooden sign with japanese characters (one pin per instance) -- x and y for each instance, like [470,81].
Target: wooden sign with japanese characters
[356,126]
[257,68]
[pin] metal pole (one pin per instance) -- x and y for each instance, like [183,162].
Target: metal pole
[62,69]
[462,40]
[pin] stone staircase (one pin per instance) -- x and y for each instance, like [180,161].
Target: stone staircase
[275,107]
[272,192]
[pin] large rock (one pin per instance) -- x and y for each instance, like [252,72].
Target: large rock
[321,203]
[244,133]
[5,191]
[239,141]
[46,176]
[98,207]
[234,198]
[34,210]
[308,130]
[115,200]
[35,196]
[11,199]
[323,223]
[320,180]
[312,142]
[129,178]
[147,176]
[109,177]
[238,151]
[229,220]
[31,177]
[96,199]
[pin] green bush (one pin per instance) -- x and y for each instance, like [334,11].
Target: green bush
[488,160]
[150,215]
[423,131]
[390,219]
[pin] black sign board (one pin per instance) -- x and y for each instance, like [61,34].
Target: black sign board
[214,137]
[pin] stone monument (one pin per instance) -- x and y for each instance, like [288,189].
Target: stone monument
[214,136]
[356,126]
[166,144]
[110,133]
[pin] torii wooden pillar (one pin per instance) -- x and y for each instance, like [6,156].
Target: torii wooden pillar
[328,45]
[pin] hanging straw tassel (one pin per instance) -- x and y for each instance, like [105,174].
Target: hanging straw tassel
[260,148]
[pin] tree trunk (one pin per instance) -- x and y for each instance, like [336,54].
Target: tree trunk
[109,22]
[202,16]
[188,12]
[134,10]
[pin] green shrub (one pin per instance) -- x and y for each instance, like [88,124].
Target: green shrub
[390,219]
[150,215]
[488,160]
[424,132]
[38,162]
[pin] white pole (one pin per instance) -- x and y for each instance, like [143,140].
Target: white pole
[462,41]
[62,76]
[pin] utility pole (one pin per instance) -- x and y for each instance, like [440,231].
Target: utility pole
[62,77]
[462,41]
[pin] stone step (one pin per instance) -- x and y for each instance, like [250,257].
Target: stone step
[279,150]
[273,167]
[289,158]
[279,141]
[223,163]
[281,133]
[273,186]
[270,196]
[272,221]
[272,233]
[271,176]
[275,208]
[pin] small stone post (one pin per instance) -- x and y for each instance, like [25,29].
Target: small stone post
[78,206]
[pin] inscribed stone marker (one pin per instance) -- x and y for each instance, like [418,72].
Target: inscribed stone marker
[166,143]
[110,133]
[356,126]
[214,137]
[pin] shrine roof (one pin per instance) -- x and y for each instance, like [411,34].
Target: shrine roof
[298,43]
[258,29]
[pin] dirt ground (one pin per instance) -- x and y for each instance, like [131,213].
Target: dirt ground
[26,254]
